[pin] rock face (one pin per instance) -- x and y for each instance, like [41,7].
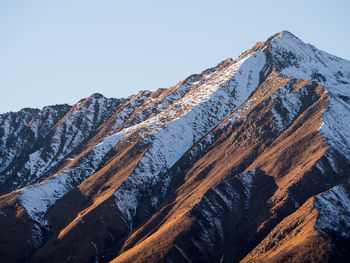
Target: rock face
[248,161]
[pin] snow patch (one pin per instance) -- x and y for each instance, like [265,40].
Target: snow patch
[336,125]
[334,211]
[183,254]
[94,246]
[179,127]
[38,198]
[37,235]
[286,106]
[247,182]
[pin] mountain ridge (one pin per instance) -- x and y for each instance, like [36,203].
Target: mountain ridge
[209,170]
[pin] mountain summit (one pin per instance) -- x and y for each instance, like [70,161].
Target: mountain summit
[248,161]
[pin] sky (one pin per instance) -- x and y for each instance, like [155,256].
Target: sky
[54,52]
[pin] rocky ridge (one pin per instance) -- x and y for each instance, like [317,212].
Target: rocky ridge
[247,161]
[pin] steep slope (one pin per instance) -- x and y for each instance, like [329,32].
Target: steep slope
[304,235]
[295,155]
[218,168]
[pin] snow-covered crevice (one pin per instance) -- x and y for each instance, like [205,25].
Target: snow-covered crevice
[210,212]
[247,182]
[201,147]
[182,253]
[177,129]
[37,235]
[236,115]
[222,208]
[334,211]
[228,198]
[94,246]
[287,105]
[211,219]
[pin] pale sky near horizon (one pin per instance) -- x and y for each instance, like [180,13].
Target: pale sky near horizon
[54,52]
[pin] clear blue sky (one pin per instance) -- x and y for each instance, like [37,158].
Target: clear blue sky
[60,51]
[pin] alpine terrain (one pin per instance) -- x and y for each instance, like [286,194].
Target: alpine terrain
[248,161]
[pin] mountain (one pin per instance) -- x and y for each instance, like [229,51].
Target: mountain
[248,161]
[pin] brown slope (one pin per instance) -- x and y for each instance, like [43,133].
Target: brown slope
[88,214]
[15,223]
[243,141]
[250,143]
[294,240]
[94,197]
[306,236]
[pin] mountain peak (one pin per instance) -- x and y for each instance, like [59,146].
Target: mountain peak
[286,33]
[294,58]
[96,95]
[283,38]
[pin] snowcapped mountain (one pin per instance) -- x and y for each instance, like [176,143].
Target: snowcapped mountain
[248,161]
